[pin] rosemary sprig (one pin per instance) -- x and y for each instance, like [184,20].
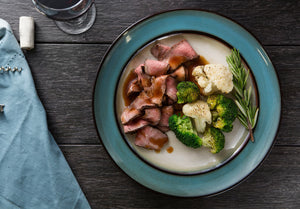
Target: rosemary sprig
[247,111]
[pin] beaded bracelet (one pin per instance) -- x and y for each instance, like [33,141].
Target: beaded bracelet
[6,69]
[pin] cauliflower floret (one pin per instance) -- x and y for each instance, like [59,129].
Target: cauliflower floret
[200,113]
[212,78]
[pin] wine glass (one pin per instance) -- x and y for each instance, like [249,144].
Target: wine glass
[71,16]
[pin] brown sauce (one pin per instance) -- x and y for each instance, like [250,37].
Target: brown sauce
[170,149]
[156,90]
[131,76]
[175,61]
[191,65]
[158,141]
[178,109]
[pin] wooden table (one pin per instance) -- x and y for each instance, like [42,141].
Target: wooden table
[64,68]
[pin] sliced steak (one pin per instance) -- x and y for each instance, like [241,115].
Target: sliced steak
[171,89]
[170,101]
[159,51]
[157,90]
[179,74]
[134,125]
[155,67]
[143,79]
[180,53]
[134,87]
[130,114]
[166,112]
[163,128]
[142,101]
[152,115]
[150,138]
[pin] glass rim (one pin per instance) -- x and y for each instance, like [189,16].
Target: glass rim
[36,2]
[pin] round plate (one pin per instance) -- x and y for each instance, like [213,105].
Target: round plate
[185,160]
[156,26]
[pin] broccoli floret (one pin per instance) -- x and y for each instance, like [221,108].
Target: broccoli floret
[214,139]
[223,124]
[213,100]
[187,91]
[224,111]
[184,131]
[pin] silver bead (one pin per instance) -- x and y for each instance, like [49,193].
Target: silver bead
[2,107]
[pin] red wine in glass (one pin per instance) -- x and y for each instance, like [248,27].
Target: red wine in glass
[71,16]
[59,4]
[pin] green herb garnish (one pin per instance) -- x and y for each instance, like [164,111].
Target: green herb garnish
[247,111]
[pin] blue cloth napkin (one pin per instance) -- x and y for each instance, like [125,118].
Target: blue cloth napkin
[33,170]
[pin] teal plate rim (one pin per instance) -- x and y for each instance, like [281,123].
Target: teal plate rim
[140,33]
[236,152]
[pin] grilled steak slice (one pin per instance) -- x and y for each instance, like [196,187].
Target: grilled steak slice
[152,115]
[166,112]
[150,138]
[157,90]
[159,51]
[134,87]
[180,53]
[143,79]
[163,128]
[155,67]
[142,101]
[134,125]
[179,74]
[171,89]
[130,114]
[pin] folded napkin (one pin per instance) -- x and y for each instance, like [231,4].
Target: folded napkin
[33,171]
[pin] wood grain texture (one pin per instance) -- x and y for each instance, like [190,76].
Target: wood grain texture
[273,22]
[64,68]
[274,185]
[287,61]
[65,75]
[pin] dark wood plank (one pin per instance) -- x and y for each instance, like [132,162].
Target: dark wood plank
[65,75]
[275,184]
[287,61]
[273,22]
